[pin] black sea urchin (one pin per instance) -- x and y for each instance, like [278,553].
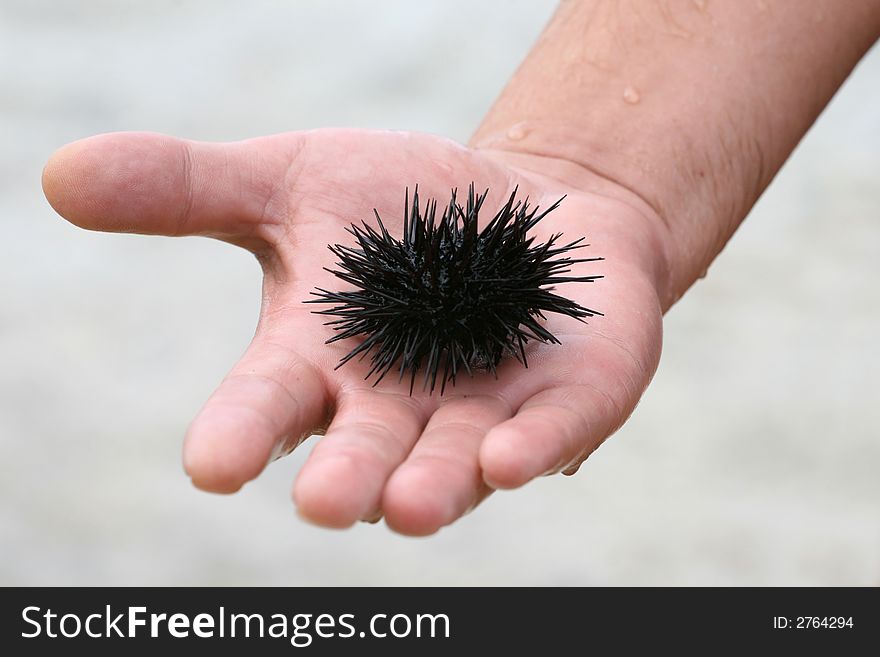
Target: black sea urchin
[446,296]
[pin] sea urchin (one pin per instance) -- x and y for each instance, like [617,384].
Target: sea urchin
[446,296]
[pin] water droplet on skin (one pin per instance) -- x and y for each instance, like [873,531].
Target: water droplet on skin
[631,96]
[703,273]
[517,132]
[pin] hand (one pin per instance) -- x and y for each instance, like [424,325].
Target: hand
[422,460]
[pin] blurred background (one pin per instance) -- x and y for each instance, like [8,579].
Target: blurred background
[753,458]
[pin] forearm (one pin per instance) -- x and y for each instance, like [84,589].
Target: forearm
[692,105]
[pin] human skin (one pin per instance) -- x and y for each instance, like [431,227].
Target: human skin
[662,122]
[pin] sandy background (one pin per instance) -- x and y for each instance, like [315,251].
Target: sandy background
[753,458]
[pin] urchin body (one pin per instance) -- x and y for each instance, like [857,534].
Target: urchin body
[446,297]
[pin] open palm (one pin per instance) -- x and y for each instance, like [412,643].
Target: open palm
[422,460]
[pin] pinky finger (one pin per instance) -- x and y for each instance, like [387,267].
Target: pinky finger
[554,430]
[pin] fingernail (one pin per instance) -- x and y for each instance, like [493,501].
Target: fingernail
[373,519]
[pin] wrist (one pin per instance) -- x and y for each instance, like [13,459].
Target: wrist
[614,214]
[688,109]
[692,206]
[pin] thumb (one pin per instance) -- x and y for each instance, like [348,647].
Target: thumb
[155,184]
